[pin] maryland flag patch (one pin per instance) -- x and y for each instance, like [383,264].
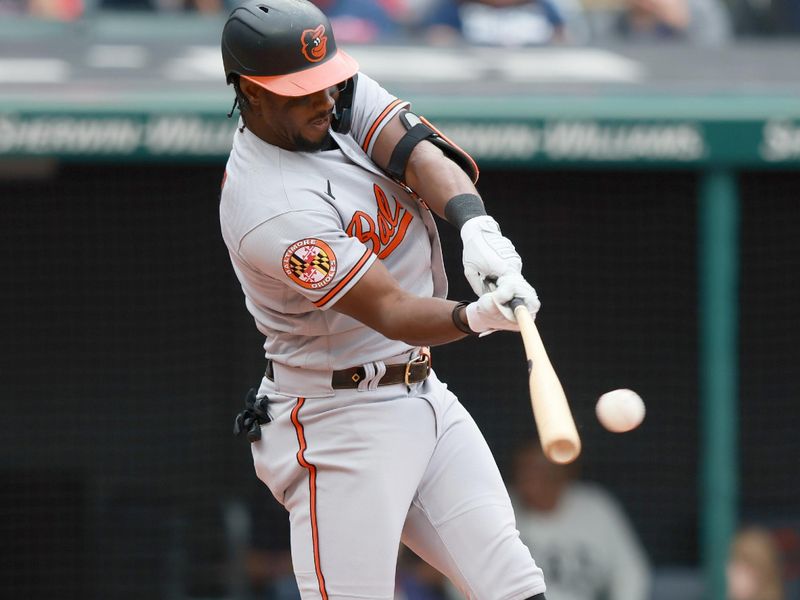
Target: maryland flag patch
[310,263]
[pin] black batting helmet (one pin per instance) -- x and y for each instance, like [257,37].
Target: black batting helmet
[285,46]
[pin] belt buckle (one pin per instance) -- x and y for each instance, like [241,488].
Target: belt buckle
[423,358]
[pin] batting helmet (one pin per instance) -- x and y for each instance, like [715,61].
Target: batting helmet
[285,46]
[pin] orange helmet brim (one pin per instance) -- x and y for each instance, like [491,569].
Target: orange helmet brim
[340,67]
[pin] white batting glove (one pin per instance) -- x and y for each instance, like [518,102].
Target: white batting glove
[491,312]
[487,254]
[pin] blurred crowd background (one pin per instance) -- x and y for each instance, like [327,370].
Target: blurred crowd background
[125,484]
[496,22]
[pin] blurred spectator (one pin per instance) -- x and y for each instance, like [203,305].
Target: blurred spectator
[57,10]
[204,6]
[701,22]
[417,580]
[580,535]
[766,17]
[268,559]
[201,6]
[362,21]
[754,569]
[500,22]
[13,7]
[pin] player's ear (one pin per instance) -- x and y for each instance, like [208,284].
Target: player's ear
[251,91]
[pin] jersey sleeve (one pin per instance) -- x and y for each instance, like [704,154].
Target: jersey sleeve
[373,107]
[309,252]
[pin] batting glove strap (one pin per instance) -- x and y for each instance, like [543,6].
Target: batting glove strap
[485,316]
[487,253]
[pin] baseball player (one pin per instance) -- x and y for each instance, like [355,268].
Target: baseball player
[326,212]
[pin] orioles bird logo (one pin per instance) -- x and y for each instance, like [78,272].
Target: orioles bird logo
[315,43]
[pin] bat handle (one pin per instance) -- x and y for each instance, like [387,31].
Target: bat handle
[515,302]
[521,313]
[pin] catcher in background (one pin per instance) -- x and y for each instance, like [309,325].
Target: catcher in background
[326,213]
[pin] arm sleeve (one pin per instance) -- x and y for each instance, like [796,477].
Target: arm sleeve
[373,107]
[309,252]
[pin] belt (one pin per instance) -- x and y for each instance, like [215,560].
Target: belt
[414,371]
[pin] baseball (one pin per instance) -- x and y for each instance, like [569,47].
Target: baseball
[620,410]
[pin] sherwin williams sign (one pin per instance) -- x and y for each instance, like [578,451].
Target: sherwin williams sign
[533,142]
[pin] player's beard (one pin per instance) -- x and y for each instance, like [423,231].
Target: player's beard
[303,144]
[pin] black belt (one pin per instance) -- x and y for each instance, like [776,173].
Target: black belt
[413,371]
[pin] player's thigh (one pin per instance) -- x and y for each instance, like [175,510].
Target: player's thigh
[462,522]
[359,472]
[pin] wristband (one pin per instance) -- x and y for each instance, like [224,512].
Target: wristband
[460,324]
[460,209]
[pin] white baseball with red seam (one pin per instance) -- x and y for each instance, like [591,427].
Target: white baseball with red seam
[620,410]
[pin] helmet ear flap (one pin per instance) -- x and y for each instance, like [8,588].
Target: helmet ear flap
[344,106]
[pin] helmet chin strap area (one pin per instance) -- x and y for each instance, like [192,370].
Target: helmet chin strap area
[233,108]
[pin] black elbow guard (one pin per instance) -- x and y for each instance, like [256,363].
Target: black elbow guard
[419,129]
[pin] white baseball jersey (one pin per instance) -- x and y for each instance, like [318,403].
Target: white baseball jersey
[303,227]
[359,470]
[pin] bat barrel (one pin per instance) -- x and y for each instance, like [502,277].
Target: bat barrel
[557,432]
[562,451]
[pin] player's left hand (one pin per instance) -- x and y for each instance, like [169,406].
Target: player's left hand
[488,255]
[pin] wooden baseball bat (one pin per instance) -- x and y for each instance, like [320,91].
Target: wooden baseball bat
[557,433]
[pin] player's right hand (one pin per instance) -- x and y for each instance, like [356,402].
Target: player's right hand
[487,254]
[491,312]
